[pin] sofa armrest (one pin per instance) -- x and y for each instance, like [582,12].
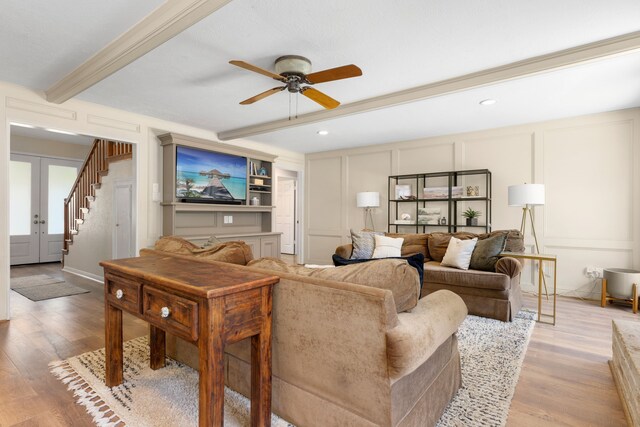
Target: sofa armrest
[345,250]
[509,266]
[420,332]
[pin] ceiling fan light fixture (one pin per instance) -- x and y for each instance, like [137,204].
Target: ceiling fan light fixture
[292,64]
[488,101]
[323,132]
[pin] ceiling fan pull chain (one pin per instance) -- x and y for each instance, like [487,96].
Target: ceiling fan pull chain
[289,105]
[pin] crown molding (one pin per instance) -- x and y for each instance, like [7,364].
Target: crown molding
[168,20]
[540,64]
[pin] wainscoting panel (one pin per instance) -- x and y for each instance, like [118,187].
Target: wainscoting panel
[367,172]
[589,190]
[426,158]
[510,160]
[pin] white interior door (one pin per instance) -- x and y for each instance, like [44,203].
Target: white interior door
[38,186]
[56,178]
[286,214]
[123,214]
[24,209]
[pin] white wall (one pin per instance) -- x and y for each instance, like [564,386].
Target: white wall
[47,148]
[22,105]
[590,167]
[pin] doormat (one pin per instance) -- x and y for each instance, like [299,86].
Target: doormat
[42,287]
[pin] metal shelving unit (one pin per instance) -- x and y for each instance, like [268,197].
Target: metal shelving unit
[451,202]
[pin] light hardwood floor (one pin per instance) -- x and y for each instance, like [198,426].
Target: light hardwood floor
[565,379]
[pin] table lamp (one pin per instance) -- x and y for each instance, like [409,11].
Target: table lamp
[368,200]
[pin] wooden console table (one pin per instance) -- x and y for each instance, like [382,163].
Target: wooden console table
[541,258]
[208,304]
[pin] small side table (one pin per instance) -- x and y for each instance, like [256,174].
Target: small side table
[210,305]
[540,258]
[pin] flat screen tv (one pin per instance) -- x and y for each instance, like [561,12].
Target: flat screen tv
[210,177]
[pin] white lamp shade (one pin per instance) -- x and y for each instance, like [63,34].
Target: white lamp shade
[368,199]
[526,194]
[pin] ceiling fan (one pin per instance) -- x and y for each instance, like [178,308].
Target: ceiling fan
[295,71]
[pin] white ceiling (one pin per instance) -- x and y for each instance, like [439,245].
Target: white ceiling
[398,45]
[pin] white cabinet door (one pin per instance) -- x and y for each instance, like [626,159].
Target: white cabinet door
[270,246]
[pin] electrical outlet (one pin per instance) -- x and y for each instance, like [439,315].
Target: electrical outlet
[228,219]
[593,272]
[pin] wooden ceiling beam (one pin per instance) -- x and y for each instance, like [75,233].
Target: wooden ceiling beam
[528,67]
[168,20]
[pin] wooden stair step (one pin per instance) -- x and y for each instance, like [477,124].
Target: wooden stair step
[79,221]
[91,198]
[72,231]
[84,210]
[65,252]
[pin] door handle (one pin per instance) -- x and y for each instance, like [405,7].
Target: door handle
[41,222]
[35,221]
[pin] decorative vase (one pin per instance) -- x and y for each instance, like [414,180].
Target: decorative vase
[262,171]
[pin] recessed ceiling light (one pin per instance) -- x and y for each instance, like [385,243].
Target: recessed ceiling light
[22,125]
[64,132]
[488,101]
[323,132]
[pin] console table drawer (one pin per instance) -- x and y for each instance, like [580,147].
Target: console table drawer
[170,312]
[123,293]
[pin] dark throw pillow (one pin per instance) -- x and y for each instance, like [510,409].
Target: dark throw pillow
[416,261]
[485,254]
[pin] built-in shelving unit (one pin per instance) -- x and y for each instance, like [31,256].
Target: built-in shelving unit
[416,201]
[250,221]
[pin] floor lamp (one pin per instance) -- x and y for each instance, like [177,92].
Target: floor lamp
[527,196]
[368,200]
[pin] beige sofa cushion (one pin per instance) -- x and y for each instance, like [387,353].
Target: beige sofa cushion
[395,275]
[436,273]
[413,243]
[419,333]
[234,252]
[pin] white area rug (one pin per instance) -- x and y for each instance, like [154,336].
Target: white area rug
[491,353]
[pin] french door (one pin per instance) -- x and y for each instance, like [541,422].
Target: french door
[37,188]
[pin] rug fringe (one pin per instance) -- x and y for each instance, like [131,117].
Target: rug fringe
[85,395]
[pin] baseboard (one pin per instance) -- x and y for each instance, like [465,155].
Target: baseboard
[84,274]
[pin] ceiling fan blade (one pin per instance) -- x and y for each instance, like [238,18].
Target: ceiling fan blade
[338,73]
[319,97]
[262,95]
[258,70]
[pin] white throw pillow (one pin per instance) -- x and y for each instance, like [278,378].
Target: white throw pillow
[459,252]
[387,247]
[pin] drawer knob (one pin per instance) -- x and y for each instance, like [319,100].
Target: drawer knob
[119,294]
[165,312]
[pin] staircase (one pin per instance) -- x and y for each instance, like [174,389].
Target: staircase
[96,165]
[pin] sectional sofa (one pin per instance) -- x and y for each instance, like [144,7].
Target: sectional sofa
[345,353]
[495,293]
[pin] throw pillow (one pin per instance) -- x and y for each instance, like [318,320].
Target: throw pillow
[387,247]
[485,254]
[459,252]
[394,275]
[363,244]
[413,243]
[416,261]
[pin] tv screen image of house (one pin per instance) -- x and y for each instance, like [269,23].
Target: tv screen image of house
[210,176]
